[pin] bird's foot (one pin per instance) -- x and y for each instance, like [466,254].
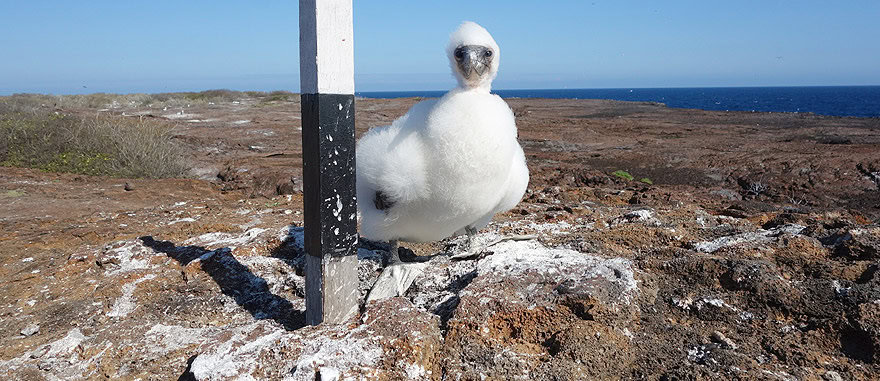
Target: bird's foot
[395,280]
[397,277]
[470,253]
[477,252]
[405,255]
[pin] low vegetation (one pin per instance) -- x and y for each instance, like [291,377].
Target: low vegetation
[623,174]
[277,96]
[160,100]
[629,177]
[39,137]
[62,133]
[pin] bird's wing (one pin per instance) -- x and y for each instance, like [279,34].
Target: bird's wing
[517,182]
[390,160]
[512,193]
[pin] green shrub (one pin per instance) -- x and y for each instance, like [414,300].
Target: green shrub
[622,174]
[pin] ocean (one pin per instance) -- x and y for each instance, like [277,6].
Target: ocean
[857,101]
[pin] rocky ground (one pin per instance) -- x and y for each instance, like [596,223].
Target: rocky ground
[746,246]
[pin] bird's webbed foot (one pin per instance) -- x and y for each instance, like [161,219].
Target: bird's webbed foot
[470,251]
[396,278]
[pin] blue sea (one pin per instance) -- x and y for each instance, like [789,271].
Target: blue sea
[858,101]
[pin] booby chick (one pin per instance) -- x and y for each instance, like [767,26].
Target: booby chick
[444,168]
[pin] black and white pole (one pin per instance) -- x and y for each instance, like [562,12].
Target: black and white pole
[326,53]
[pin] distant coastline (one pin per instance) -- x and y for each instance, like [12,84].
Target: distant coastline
[851,101]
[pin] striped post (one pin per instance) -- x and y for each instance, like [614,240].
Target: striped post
[326,69]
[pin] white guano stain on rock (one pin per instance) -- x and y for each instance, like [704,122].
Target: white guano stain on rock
[756,238]
[235,358]
[66,344]
[226,239]
[516,257]
[48,355]
[124,305]
[646,217]
[186,219]
[131,256]
[351,351]
[413,371]
[167,338]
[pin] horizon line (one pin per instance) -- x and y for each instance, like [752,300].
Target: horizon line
[447,89]
[628,88]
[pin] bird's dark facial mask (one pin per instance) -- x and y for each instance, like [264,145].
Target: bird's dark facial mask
[473,59]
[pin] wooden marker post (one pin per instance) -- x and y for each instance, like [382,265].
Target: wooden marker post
[326,53]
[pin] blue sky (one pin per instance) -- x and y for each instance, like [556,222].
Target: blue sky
[121,46]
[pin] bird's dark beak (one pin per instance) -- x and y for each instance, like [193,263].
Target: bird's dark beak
[473,60]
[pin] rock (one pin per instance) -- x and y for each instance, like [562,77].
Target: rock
[590,178]
[832,376]
[30,329]
[40,352]
[759,237]
[642,216]
[591,350]
[521,296]
[264,182]
[761,279]
[229,173]
[719,337]
[748,208]
[727,194]
[861,243]
[869,321]
[393,340]
[293,186]
[783,219]
[67,344]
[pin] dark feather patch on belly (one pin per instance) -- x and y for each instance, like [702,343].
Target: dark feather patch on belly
[382,202]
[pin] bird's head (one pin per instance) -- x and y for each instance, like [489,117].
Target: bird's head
[473,55]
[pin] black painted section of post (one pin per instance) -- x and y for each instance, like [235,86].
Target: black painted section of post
[329,179]
[330,205]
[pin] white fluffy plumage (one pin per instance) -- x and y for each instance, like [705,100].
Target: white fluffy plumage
[449,163]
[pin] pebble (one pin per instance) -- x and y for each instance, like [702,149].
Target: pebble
[30,329]
[832,376]
[719,337]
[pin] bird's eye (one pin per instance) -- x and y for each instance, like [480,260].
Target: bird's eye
[459,54]
[488,53]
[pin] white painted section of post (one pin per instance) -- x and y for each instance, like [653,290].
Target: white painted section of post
[326,63]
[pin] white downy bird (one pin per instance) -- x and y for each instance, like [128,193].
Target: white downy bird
[446,167]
